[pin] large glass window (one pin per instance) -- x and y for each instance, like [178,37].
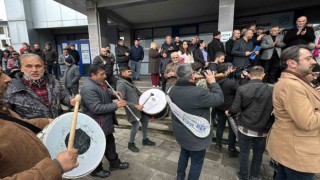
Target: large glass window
[1,30]
[162,32]
[188,30]
[143,34]
[208,27]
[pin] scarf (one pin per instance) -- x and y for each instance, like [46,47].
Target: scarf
[38,82]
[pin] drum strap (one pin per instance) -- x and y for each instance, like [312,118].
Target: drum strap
[33,128]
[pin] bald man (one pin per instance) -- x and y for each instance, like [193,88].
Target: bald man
[301,34]
[106,59]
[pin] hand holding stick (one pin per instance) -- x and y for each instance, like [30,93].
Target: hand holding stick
[74,122]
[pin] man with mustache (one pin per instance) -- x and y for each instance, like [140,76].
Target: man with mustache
[22,154]
[293,141]
[36,94]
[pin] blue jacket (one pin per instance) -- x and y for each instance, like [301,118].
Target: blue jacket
[137,53]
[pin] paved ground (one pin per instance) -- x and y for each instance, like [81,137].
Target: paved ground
[160,162]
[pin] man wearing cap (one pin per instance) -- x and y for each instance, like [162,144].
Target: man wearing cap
[137,55]
[74,53]
[72,77]
[215,45]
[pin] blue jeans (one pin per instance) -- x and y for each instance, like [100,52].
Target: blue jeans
[284,173]
[197,159]
[220,128]
[135,68]
[258,144]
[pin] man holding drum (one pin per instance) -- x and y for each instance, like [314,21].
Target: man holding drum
[22,154]
[97,103]
[131,94]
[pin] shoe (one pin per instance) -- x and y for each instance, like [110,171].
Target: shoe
[233,153]
[147,142]
[122,165]
[132,147]
[101,174]
[218,148]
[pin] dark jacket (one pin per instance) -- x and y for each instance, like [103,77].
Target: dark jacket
[229,89]
[239,52]
[198,56]
[75,55]
[72,77]
[120,54]
[177,46]
[213,47]
[163,63]
[154,61]
[202,100]
[291,38]
[255,108]
[49,56]
[212,66]
[38,52]
[109,63]
[130,94]
[97,103]
[137,53]
[24,101]
[229,46]
[165,47]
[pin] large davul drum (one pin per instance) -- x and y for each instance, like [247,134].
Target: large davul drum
[89,140]
[154,103]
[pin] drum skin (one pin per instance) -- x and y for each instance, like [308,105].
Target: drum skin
[53,137]
[154,103]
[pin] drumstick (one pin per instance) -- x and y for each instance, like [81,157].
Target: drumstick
[74,122]
[147,99]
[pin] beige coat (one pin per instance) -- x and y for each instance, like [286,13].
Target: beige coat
[171,67]
[294,139]
[22,154]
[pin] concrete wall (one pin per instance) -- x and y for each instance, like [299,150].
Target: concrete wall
[49,14]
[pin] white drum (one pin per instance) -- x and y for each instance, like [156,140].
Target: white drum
[89,140]
[154,103]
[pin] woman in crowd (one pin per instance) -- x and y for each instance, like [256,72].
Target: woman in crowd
[185,54]
[200,54]
[154,61]
[5,59]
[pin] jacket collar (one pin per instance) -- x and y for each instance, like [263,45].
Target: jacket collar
[306,85]
[126,81]
[184,83]
[255,81]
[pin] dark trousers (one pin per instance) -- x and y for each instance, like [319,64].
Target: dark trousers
[112,80]
[271,68]
[258,144]
[53,69]
[163,82]
[73,91]
[220,128]
[284,173]
[110,153]
[197,159]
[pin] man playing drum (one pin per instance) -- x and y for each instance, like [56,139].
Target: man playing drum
[131,94]
[23,155]
[97,103]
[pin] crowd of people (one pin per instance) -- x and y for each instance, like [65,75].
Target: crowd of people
[265,81]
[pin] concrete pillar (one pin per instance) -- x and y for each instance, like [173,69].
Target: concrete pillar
[20,23]
[226,18]
[93,28]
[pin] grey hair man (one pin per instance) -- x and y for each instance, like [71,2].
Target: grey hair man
[185,90]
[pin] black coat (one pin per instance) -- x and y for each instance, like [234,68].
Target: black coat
[229,46]
[291,38]
[108,66]
[198,56]
[165,47]
[197,101]
[229,89]
[213,47]
[75,55]
[120,54]
[255,112]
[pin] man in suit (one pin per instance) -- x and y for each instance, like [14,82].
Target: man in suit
[131,94]
[293,141]
[271,46]
[301,34]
